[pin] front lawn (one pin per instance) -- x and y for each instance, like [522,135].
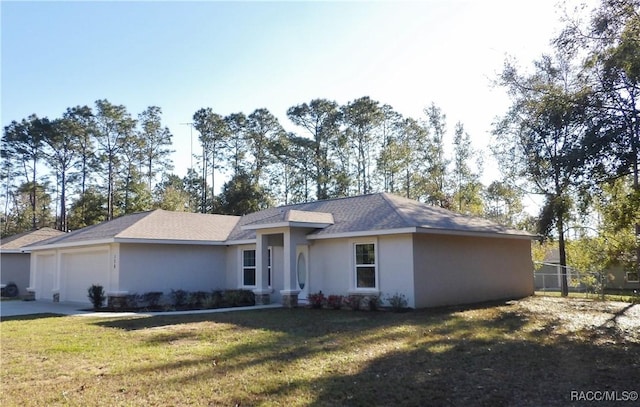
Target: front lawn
[506,354]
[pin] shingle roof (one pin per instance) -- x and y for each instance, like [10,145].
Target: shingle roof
[366,213]
[155,225]
[291,216]
[432,217]
[16,242]
[376,212]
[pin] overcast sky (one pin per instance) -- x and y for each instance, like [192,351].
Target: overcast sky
[240,56]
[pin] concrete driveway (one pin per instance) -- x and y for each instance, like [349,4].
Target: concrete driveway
[17,307]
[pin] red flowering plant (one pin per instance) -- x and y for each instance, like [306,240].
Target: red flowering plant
[335,301]
[317,300]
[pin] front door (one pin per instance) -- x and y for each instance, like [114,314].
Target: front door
[302,271]
[45,276]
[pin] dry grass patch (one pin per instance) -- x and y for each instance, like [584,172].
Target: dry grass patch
[517,353]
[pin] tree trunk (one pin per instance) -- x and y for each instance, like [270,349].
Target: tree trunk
[562,254]
[203,208]
[34,194]
[63,198]
[110,189]
[636,189]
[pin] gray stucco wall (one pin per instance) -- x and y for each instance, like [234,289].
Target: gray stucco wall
[396,267]
[332,270]
[149,267]
[459,269]
[329,266]
[14,267]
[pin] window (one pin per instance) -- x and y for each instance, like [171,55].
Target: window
[249,267]
[365,256]
[301,270]
[632,277]
[269,266]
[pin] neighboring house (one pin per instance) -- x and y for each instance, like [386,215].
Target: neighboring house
[619,279]
[378,244]
[14,262]
[548,276]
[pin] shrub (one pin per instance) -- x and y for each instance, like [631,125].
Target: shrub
[152,298]
[96,295]
[213,300]
[397,302]
[179,298]
[353,302]
[133,300]
[373,302]
[335,301]
[196,299]
[238,298]
[247,298]
[231,298]
[317,300]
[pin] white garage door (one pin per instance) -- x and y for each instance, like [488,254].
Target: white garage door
[45,276]
[81,270]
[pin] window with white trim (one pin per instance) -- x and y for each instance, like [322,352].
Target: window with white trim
[365,265]
[632,277]
[249,268]
[269,254]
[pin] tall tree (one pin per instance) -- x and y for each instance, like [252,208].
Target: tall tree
[321,120]
[389,159]
[542,138]
[24,143]
[156,143]
[433,156]
[236,146]
[263,129]
[214,133]
[241,196]
[503,203]
[193,185]
[23,213]
[113,124]
[89,209]
[414,139]
[610,45]
[62,156]
[292,171]
[361,118]
[9,173]
[132,192]
[171,195]
[467,194]
[79,125]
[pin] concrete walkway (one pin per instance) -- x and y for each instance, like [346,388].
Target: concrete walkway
[17,307]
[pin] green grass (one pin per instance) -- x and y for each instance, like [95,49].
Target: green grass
[624,296]
[490,355]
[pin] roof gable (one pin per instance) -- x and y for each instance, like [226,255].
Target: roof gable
[16,242]
[166,225]
[352,214]
[435,218]
[291,218]
[157,225]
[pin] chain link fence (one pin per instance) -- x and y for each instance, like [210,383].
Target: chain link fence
[548,278]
